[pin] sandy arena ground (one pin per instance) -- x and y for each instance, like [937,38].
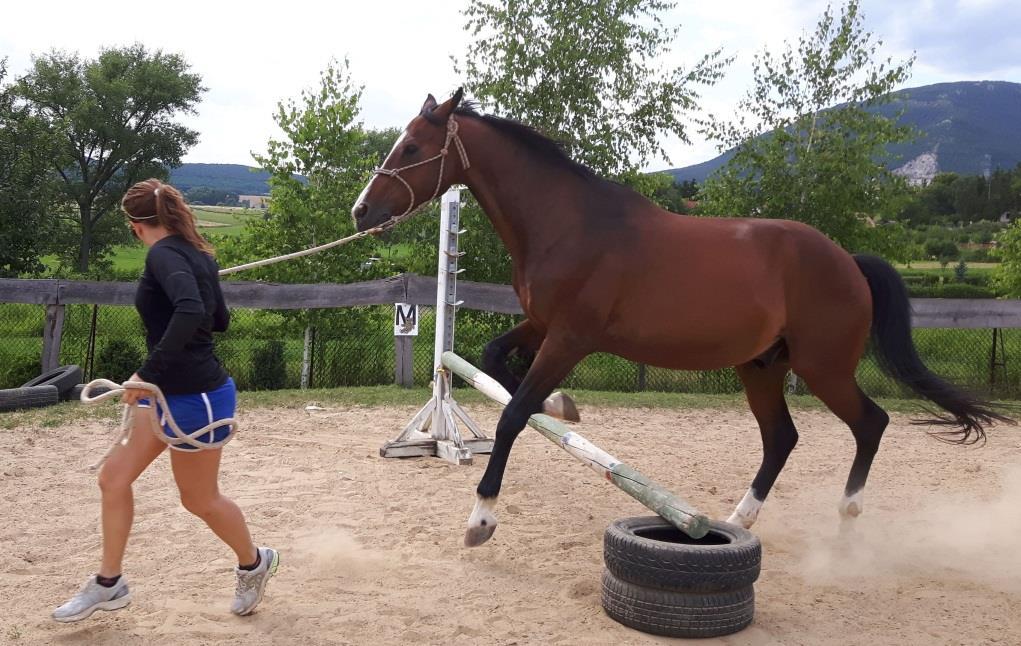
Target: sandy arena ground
[371,548]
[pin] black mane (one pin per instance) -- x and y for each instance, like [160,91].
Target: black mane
[546,148]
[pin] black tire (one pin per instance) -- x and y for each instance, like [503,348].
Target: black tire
[65,378]
[32,397]
[677,614]
[650,552]
[76,392]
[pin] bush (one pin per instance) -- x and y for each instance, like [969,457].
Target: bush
[18,371]
[978,255]
[118,359]
[952,290]
[269,370]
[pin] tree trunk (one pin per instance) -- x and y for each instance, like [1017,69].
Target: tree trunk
[85,245]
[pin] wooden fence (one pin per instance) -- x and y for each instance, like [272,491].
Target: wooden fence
[55,294]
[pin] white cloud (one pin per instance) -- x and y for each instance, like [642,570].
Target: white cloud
[253,54]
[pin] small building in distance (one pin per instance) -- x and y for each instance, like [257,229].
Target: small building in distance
[254,201]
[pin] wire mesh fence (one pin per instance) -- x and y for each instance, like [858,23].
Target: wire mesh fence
[354,346]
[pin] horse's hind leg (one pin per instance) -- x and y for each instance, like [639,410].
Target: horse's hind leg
[764,390]
[867,421]
[526,339]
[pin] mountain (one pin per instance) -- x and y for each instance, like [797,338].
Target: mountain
[233,178]
[968,127]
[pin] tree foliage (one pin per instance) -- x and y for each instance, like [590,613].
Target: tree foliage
[115,119]
[950,198]
[26,152]
[805,146]
[585,72]
[1008,250]
[317,169]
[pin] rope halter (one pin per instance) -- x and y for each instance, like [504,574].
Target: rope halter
[452,136]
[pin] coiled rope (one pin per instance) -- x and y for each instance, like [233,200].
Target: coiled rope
[178,441]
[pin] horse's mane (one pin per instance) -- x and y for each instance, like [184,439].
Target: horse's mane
[548,149]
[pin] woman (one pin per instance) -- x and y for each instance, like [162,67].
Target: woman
[181,305]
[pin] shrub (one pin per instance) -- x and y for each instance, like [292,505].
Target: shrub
[118,359]
[269,371]
[17,371]
[952,290]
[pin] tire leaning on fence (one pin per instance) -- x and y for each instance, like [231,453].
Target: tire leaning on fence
[31,397]
[64,378]
[660,581]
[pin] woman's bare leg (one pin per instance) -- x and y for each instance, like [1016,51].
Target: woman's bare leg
[197,473]
[118,473]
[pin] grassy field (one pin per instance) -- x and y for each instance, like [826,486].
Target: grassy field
[217,220]
[932,264]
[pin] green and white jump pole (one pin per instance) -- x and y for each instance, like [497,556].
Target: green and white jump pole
[671,508]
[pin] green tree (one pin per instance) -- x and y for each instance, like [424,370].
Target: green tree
[943,251]
[585,72]
[115,119]
[1008,251]
[26,151]
[317,170]
[806,147]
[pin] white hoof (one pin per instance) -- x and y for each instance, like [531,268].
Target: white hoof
[851,506]
[481,523]
[747,511]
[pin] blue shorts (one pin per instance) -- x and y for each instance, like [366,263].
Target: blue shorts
[196,410]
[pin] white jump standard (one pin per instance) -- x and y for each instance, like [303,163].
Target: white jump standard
[671,508]
[433,430]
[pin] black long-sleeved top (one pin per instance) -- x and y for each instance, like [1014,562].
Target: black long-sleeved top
[181,305]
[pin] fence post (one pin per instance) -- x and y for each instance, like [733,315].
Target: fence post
[403,361]
[306,358]
[792,383]
[53,330]
[642,377]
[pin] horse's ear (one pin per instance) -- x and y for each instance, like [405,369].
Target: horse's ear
[443,111]
[429,105]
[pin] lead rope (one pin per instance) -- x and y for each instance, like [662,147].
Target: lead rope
[177,442]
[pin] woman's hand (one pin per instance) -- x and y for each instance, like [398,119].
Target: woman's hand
[132,395]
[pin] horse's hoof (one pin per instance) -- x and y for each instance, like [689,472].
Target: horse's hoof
[561,406]
[476,536]
[851,506]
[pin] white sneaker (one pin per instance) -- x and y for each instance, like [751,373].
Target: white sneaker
[252,583]
[93,597]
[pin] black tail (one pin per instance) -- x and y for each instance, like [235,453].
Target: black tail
[891,335]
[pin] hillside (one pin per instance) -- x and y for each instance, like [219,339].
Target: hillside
[966,127]
[233,178]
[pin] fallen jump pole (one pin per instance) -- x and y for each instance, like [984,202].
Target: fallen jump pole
[674,510]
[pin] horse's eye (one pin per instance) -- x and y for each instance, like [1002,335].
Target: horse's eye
[410,149]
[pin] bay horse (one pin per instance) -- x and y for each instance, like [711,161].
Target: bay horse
[599,268]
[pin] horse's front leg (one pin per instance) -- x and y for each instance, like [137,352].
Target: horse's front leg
[526,338]
[553,362]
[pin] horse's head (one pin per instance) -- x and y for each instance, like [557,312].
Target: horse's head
[420,166]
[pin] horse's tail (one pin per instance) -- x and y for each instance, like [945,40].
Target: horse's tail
[895,349]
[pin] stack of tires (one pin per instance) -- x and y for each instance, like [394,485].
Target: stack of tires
[45,390]
[660,581]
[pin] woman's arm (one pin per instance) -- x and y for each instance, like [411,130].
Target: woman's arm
[221,317]
[175,275]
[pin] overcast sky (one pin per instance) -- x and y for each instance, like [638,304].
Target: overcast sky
[253,54]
